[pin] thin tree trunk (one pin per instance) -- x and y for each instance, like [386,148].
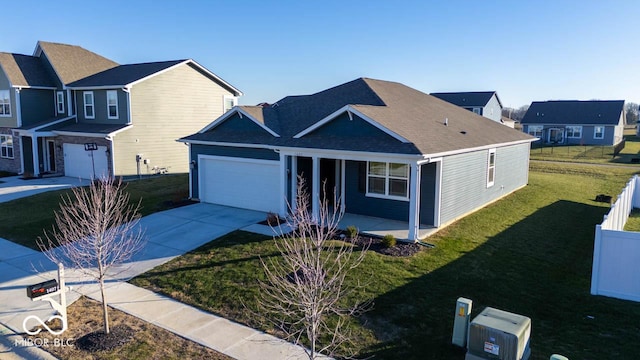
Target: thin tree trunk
[105,312]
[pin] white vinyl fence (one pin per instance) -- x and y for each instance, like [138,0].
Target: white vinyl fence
[616,254]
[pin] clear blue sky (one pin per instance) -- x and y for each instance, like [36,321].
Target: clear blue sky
[526,50]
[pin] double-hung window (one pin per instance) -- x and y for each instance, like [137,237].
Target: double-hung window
[574,132]
[389,180]
[491,167]
[112,104]
[89,108]
[5,103]
[598,132]
[535,130]
[6,146]
[60,102]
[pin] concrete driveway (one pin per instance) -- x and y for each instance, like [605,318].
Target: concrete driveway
[169,234]
[14,187]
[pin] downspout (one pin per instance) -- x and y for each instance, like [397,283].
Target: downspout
[18,107]
[127,90]
[112,156]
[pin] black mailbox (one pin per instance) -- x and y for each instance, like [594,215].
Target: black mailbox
[43,288]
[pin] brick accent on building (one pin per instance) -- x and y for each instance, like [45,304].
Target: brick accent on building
[11,165]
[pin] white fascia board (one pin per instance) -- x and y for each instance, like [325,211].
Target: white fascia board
[72,133]
[129,85]
[350,109]
[565,124]
[233,111]
[101,87]
[218,78]
[114,133]
[34,87]
[478,148]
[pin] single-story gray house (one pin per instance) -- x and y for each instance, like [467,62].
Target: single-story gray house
[389,151]
[574,122]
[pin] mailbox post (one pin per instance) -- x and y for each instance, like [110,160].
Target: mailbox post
[45,291]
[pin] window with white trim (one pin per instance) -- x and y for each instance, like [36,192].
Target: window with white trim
[535,130]
[491,167]
[598,132]
[390,180]
[5,103]
[229,103]
[6,146]
[89,108]
[112,104]
[60,102]
[574,132]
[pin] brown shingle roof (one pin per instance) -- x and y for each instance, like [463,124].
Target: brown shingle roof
[24,70]
[415,116]
[72,63]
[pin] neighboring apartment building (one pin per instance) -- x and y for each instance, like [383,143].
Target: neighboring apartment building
[67,110]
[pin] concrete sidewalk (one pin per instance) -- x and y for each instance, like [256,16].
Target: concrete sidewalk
[170,233]
[15,187]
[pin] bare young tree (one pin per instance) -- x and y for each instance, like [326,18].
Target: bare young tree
[305,294]
[95,231]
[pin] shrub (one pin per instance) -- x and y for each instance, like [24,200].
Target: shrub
[389,241]
[352,231]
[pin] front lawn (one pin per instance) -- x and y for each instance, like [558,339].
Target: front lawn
[23,220]
[529,253]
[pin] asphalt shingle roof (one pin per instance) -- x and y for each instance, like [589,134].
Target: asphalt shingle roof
[124,74]
[72,63]
[414,115]
[592,112]
[469,99]
[25,70]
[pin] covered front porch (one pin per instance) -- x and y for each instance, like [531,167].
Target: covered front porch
[374,226]
[380,194]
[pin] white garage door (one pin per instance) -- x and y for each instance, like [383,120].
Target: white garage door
[244,183]
[78,162]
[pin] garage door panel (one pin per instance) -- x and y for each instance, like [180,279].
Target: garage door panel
[239,183]
[78,162]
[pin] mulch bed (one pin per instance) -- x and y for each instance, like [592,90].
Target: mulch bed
[401,249]
[99,341]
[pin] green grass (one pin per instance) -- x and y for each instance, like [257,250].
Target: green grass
[588,153]
[633,223]
[23,220]
[529,253]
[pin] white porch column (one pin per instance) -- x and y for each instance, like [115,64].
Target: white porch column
[414,202]
[294,183]
[315,188]
[34,150]
[69,103]
[283,185]
[343,181]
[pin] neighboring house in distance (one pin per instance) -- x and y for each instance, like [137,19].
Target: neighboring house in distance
[574,122]
[485,103]
[68,99]
[388,150]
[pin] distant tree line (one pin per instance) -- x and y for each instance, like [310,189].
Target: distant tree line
[631,110]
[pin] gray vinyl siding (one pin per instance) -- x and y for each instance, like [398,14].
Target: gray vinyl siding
[27,155]
[493,110]
[229,151]
[166,107]
[428,178]
[100,107]
[357,202]
[8,121]
[37,105]
[464,179]
[611,136]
